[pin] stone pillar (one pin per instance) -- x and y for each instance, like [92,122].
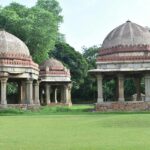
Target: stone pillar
[137,82]
[23,92]
[47,93]
[121,88]
[116,89]
[55,95]
[99,88]
[36,93]
[67,95]
[29,91]
[19,92]
[4,91]
[147,87]
[41,96]
[62,95]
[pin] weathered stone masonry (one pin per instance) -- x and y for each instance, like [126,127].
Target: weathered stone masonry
[16,65]
[125,53]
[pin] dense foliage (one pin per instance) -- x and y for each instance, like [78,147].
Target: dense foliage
[74,61]
[36,26]
[88,89]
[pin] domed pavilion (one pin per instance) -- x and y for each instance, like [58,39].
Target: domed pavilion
[16,65]
[55,86]
[125,53]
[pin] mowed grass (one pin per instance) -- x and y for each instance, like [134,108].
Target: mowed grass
[75,130]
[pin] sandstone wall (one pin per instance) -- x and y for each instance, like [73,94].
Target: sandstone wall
[122,106]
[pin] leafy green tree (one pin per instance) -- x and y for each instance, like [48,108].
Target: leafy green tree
[88,89]
[109,90]
[74,61]
[51,6]
[91,54]
[38,26]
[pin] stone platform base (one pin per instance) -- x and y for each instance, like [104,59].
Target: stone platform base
[122,106]
[21,106]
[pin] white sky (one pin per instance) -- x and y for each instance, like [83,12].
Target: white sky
[87,22]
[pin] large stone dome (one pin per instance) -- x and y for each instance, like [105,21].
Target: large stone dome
[125,49]
[15,58]
[10,44]
[127,34]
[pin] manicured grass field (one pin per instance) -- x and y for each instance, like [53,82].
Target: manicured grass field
[75,130]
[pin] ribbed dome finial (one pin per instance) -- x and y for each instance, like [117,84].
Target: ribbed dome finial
[128,21]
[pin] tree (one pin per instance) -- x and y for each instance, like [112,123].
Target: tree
[51,6]
[74,61]
[88,89]
[90,55]
[38,26]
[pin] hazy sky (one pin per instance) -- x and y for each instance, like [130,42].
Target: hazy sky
[87,22]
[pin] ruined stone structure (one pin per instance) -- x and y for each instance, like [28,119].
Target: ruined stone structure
[55,86]
[16,65]
[125,53]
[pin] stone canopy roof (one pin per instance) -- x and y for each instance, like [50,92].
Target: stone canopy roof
[128,33]
[52,64]
[52,70]
[15,59]
[11,44]
[127,42]
[125,49]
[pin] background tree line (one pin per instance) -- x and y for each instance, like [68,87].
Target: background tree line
[38,27]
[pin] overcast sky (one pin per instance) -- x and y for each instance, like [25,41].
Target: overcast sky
[87,22]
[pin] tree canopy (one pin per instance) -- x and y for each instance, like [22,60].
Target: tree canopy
[73,60]
[37,26]
[88,89]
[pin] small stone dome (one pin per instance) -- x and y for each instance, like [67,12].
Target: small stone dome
[52,70]
[11,44]
[52,64]
[127,34]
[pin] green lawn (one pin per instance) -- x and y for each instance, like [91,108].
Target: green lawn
[75,130]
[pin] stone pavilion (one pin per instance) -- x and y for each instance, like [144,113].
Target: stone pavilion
[125,53]
[16,65]
[55,84]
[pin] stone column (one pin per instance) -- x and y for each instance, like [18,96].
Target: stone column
[99,88]
[116,89]
[29,91]
[36,93]
[19,92]
[66,94]
[3,91]
[137,82]
[69,93]
[62,95]
[41,96]
[47,93]
[121,88]
[23,92]
[56,95]
[147,87]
